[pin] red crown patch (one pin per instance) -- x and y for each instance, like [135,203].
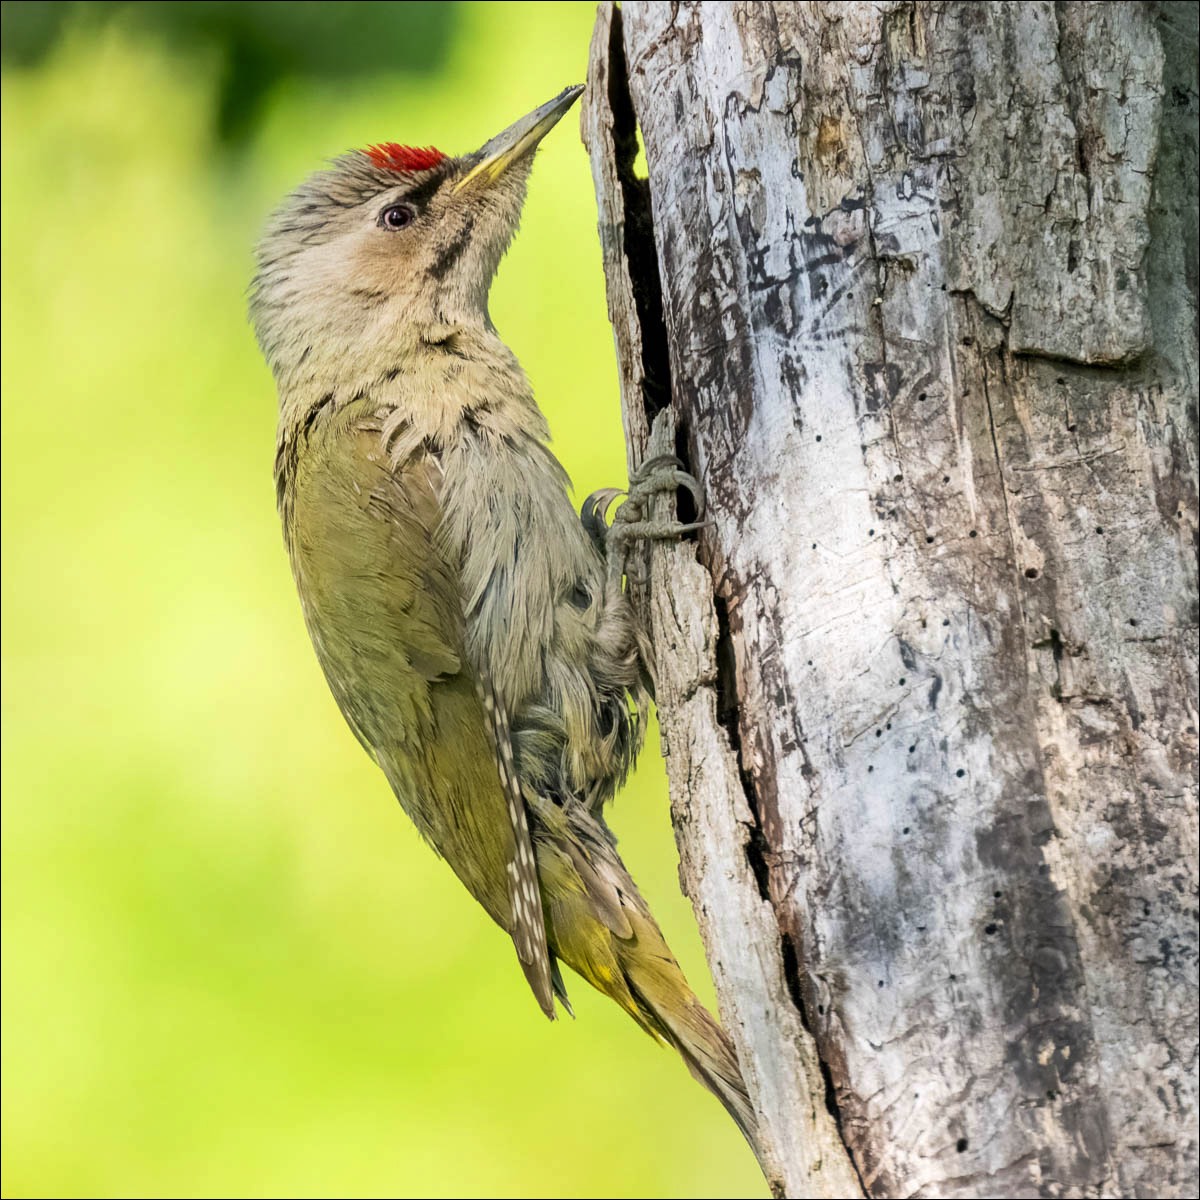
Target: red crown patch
[391,156]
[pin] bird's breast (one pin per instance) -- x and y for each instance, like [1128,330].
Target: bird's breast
[508,519]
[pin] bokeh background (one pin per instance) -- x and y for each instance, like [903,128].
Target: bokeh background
[230,967]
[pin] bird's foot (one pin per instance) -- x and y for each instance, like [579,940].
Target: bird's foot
[633,521]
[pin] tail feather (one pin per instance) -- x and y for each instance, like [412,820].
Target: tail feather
[704,1046]
[599,925]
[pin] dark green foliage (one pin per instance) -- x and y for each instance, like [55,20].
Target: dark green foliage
[259,43]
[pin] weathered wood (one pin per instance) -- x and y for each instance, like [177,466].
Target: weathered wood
[916,285]
[710,811]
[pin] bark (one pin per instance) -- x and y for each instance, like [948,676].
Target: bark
[911,288]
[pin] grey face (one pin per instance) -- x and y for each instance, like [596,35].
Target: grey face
[359,243]
[391,240]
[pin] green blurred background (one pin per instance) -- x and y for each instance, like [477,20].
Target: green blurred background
[230,966]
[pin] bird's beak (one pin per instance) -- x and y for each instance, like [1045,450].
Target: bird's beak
[518,140]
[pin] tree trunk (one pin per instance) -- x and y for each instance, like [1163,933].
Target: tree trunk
[911,288]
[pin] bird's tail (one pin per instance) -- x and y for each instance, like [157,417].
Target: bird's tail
[599,925]
[668,1008]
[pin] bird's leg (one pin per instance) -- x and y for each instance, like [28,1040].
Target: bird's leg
[633,521]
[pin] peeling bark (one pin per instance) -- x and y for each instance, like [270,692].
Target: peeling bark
[912,289]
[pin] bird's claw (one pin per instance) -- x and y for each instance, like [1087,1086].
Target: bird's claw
[632,521]
[594,515]
[665,473]
[648,466]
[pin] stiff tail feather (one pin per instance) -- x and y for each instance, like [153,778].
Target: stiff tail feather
[599,925]
[707,1052]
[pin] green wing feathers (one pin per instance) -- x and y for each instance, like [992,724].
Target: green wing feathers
[384,611]
[525,899]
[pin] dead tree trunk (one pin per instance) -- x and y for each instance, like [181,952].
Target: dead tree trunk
[912,290]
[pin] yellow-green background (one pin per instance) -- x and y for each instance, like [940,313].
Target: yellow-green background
[230,967]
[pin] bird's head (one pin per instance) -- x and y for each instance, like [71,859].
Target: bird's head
[390,242]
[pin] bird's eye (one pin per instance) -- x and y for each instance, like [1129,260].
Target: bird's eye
[396,216]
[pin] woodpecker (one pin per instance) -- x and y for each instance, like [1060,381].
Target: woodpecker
[474,630]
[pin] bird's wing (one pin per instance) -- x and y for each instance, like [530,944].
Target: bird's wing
[384,610]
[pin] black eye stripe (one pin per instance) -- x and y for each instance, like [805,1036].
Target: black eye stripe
[424,191]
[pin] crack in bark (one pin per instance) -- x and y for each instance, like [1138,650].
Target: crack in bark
[641,260]
[791,975]
[637,237]
[758,855]
[725,687]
